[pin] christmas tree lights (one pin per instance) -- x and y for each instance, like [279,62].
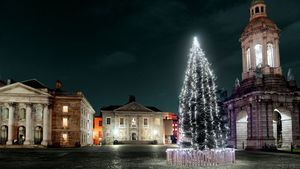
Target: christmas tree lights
[200,121]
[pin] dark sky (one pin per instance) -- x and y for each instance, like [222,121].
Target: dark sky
[110,49]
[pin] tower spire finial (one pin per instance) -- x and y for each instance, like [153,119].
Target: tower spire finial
[254,2]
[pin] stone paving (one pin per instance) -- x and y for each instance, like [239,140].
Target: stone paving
[127,156]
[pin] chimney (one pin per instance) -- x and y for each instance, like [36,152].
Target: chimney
[131,99]
[8,82]
[58,84]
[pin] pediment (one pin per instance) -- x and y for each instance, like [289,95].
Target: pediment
[19,88]
[134,107]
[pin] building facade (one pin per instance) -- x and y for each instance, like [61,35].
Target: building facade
[264,107]
[133,123]
[97,131]
[32,114]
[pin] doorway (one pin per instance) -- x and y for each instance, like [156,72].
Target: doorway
[38,135]
[4,135]
[21,135]
[133,137]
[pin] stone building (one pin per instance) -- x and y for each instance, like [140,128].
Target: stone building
[33,114]
[97,131]
[133,123]
[264,107]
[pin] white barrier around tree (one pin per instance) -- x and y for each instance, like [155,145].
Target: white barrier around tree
[191,157]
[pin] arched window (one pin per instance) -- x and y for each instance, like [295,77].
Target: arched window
[257,10]
[270,53]
[248,55]
[262,9]
[22,114]
[258,55]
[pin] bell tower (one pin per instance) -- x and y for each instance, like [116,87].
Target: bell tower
[260,43]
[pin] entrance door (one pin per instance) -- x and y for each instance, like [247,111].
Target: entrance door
[133,136]
[21,135]
[38,135]
[4,134]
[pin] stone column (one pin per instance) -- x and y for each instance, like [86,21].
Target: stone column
[50,128]
[45,125]
[10,124]
[28,139]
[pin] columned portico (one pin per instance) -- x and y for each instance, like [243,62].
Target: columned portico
[28,139]
[10,124]
[45,125]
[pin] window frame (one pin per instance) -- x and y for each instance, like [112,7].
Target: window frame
[248,59]
[270,54]
[147,120]
[65,109]
[258,48]
[65,122]
[107,120]
[122,125]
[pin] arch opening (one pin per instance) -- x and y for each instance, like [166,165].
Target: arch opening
[282,128]
[241,130]
[38,135]
[3,135]
[21,135]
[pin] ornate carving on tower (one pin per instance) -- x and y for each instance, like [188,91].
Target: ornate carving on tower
[260,43]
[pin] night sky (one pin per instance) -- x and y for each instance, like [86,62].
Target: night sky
[110,49]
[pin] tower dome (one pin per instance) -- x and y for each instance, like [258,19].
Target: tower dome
[260,43]
[254,2]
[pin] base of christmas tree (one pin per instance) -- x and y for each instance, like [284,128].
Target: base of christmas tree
[191,157]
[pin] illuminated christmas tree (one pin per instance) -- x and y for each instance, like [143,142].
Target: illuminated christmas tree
[200,120]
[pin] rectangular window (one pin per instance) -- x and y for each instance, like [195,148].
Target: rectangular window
[100,123]
[65,137]
[122,122]
[65,122]
[146,122]
[65,109]
[108,120]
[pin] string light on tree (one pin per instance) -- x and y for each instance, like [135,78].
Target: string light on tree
[200,121]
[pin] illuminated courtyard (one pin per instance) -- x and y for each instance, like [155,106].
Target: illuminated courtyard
[127,156]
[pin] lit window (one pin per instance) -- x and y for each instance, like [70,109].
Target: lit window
[133,122]
[65,137]
[248,55]
[146,122]
[65,122]
[270,53]
[108,120]
[121,121]
[65,109]
[258,55]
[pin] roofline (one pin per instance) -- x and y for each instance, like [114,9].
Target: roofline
[26,86]
[35,80]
